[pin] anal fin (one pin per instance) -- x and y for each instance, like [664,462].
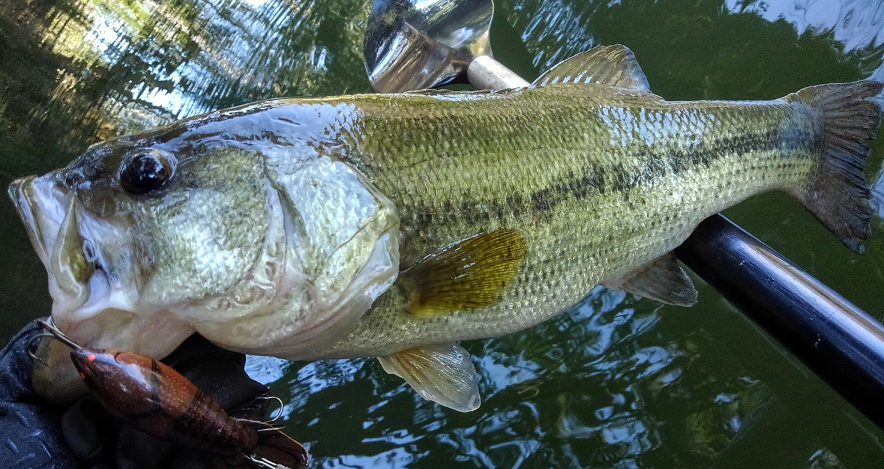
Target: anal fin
[440,373]
[661,280]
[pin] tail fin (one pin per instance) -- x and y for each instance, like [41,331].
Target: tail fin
[838,193]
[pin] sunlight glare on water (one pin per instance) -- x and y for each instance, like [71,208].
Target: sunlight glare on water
[857,24]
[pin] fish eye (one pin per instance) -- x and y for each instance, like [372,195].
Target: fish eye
[146,171]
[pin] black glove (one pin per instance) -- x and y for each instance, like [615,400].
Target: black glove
[85,434]
[29,427]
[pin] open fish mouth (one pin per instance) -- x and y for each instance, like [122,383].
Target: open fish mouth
[40,203]
[62,234]
[47,209]
[45,205]
[92,284]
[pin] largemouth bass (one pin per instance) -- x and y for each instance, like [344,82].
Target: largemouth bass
[396,225]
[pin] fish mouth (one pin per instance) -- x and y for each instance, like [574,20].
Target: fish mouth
[63,235]
[92,282]
[40,205]
[48,212]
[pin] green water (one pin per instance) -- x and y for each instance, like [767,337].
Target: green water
[618,382]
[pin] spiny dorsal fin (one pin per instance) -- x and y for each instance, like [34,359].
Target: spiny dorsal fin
[465,275]
[434,92]
[440,373]
[607,65]
[661,280]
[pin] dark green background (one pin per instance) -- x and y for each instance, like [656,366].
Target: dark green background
[618,382]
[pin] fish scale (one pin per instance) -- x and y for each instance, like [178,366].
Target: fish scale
[518,146]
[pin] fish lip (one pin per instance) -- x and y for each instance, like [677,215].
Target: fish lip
[23,200]
[59,226]
[44,203]
[98,310]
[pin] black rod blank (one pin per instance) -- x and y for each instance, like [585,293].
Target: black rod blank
[841,343]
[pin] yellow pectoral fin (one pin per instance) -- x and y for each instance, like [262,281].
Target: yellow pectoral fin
[468,274]
[440,373]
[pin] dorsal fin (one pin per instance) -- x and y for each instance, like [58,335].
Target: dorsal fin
[465,275]
[434,92]
[607,65]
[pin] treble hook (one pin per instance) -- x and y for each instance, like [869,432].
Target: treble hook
[269,427]
[56,332]
[265,463]
[49,330]
[278,411]
[30,348]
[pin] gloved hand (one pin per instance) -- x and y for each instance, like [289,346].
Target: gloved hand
[86,435]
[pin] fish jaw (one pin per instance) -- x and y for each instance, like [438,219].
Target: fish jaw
[44,205]
[135,274]
[21,193]
[91,305]
[66,238]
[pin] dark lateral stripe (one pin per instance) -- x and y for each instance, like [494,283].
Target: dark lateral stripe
[599,180]
[678,160]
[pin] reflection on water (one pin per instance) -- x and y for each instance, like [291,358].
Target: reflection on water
[149,62]
[598,388]
[745,49]
[855,24]
[824,459]
[617,382]
[555,29]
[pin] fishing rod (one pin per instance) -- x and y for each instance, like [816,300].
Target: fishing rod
[411,44]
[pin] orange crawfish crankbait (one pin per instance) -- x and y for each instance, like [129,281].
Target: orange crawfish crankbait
[154,398]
